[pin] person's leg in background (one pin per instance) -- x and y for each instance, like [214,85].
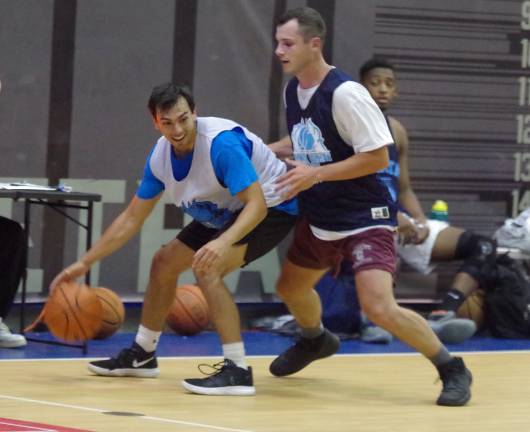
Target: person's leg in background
[478,255]
[444,244]
[12,262]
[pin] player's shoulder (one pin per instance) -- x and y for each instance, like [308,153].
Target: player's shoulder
[213,126]
[352,90]
[159,148]
[399,133]
[397,126]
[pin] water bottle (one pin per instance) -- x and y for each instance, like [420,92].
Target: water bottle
[440,211]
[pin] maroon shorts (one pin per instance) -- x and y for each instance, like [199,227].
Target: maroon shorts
[370,249]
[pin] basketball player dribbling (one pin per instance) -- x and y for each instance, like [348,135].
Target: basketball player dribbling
[223,176]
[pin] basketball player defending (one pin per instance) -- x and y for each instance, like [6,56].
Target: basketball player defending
[223,176]
[339,138]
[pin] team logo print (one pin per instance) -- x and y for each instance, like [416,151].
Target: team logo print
[207,213]
[308,143]
[360,256]
[388,176]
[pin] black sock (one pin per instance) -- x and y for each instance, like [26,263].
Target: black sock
[452,300]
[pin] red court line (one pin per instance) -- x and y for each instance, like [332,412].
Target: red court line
[12,425]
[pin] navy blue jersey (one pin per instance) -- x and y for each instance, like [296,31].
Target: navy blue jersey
[333,205]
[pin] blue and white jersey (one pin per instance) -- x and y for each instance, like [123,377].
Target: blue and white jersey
[329,123]
[226,159]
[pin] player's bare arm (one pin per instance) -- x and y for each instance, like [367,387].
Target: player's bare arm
[413,229]
[407,197]
[125,226]
[302,177]
[283,148]
[253,212]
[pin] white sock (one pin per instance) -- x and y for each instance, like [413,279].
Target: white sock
[236,352]
[147,339]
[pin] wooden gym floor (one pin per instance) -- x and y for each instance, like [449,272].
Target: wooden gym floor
[364,388]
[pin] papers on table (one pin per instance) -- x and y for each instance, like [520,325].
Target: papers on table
[31,186]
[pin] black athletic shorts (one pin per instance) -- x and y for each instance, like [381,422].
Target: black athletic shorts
[264,237]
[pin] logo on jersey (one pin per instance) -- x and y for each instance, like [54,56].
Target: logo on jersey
[308,143]
[380,213]
[208,213]
[390,178]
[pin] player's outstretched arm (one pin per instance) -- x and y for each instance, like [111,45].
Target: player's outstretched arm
[125,226]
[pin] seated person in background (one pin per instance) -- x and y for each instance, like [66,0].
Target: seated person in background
[424,241]
[12,262]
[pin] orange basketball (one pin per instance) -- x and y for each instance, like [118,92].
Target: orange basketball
[473,308]
[189,312]
[73,312]
[113,312]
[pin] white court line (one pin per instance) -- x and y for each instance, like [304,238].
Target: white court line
[159,419]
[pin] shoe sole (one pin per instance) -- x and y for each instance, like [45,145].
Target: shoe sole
[459,402]
[13,344]
[138,373]
[220,391]
[454,331]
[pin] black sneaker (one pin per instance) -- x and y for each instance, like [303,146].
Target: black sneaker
[132,361]
[304,352]
[227,379]
[456,379]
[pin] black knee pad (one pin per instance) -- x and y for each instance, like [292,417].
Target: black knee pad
[478,253]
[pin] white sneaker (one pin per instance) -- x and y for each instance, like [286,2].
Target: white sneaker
[8,339]
[513,234]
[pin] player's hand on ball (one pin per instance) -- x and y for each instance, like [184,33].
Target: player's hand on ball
[70,274]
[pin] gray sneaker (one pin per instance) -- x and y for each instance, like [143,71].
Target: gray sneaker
[449,329]
[8,339]
[371,333]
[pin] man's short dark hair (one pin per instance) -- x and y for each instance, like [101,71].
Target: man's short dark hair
[310,21]
[164,96]
[374,63]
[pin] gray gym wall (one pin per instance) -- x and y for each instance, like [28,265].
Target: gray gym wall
[76,75]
